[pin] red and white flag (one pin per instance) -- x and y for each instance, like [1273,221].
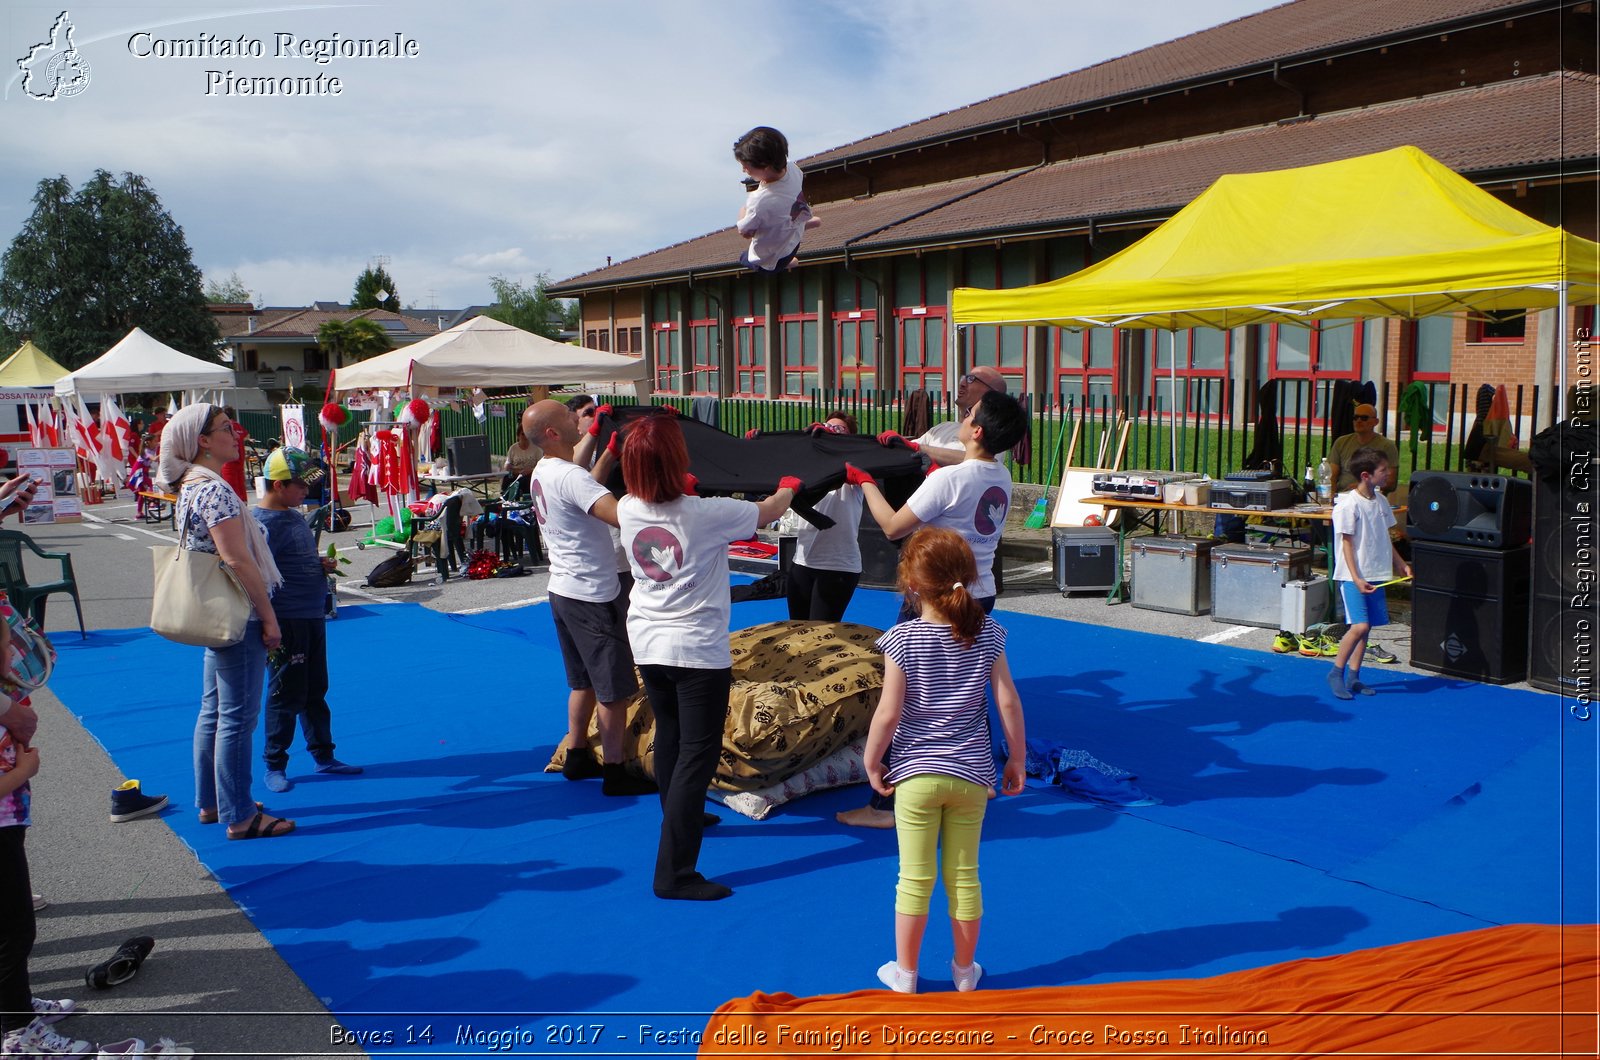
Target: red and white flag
[35,431]
[113,430]
[86,441]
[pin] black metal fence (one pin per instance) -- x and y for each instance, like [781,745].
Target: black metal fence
[1213,432]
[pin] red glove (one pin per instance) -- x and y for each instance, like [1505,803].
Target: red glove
[890,438]
[857,477]
[751,433]
[614,444]
[675,410]
[789,482]
[691,485]
[817,428]
[594,421]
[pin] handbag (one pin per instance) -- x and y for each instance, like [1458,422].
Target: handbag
[198,599]
[32,655]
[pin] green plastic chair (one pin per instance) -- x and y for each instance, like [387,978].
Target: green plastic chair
[30,599]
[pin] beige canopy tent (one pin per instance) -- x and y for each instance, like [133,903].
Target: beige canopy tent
[1392,234]
[483,352]
[142,364]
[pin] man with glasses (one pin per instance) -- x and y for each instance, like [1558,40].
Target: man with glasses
[942,444]
[1365,435]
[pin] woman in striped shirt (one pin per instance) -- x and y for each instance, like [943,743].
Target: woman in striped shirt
[938,669]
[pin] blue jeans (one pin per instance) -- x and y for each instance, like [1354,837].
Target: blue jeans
[230,703]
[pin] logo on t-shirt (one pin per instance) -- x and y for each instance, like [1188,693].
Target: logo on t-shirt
[658,553]
[991,513]
[536,494]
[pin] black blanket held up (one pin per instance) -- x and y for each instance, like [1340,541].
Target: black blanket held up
[724,464]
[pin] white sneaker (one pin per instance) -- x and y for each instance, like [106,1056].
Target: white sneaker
[966,978]
[47,1011]
[36,1039]
[897,978]
[135,1049]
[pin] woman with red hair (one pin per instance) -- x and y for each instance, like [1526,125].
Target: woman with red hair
[677,546]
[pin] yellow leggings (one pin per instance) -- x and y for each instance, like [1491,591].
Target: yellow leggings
[939,818]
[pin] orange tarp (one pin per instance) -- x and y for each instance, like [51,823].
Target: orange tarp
[1524,990]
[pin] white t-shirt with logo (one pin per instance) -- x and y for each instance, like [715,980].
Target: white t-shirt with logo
[582,559]
[838,547]
[972,499]
[678,552]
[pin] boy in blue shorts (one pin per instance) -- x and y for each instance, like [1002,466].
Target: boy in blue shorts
[1364,557]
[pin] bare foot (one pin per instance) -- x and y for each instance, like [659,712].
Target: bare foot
[866,817]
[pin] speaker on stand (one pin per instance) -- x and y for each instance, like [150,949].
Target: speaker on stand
[1564,620]
[1472,564]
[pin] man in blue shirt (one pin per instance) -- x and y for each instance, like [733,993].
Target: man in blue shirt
[297,673]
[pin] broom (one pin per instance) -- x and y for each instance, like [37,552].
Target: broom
[1040,515]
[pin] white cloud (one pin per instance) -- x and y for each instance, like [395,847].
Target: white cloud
[538,137]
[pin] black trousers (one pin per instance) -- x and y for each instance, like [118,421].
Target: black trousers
[299,690]
[690,706]
[16,930]
[820,595]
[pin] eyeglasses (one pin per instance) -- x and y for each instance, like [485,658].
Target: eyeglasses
[971,377]
[1359,419]
[220,427]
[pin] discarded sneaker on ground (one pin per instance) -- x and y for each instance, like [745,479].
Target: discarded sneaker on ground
[1284,642]
[48,1011]
[128,802]
[37,1039]
[123,965]
[1379,654]
[136,1049]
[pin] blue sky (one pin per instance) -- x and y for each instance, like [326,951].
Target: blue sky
[520,138]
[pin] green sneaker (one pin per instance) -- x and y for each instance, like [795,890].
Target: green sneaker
[1284,642]
[1379,654]
[1330,645]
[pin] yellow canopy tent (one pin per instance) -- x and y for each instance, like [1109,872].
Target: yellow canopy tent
[1392,234]
[30,368]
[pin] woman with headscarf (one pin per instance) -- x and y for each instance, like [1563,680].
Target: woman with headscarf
[677,545]
[195,445]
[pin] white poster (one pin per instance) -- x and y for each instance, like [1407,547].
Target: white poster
[294,427]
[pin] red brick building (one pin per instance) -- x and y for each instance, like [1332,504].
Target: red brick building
[1037,183]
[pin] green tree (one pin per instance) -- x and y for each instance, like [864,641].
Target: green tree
[91,265]
[530,308]
[229,291]
[349,341]
[373,279]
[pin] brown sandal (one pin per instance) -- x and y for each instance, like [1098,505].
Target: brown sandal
[210,816]
[264,827]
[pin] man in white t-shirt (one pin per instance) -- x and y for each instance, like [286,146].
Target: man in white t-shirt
[588,597]
[941,443]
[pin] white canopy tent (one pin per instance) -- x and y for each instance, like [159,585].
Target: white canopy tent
[141,364]
[484,352]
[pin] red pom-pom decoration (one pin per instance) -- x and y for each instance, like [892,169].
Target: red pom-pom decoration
[332,416]
[416,411]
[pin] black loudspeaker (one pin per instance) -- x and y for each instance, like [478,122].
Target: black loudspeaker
[468,455]
[1562,649]
[1488,511]
[880,557]
[1470,611]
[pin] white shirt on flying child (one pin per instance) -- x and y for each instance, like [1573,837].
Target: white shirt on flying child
[775,217]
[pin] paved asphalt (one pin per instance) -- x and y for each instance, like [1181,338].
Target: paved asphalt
[213,982]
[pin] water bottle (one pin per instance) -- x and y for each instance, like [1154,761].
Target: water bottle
[1324,482]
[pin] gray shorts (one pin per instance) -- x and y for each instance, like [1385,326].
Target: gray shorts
[594,645]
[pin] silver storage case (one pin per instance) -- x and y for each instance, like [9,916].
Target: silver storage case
[1247,581]
[1086,558]
[1305,604]
[1172,574]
